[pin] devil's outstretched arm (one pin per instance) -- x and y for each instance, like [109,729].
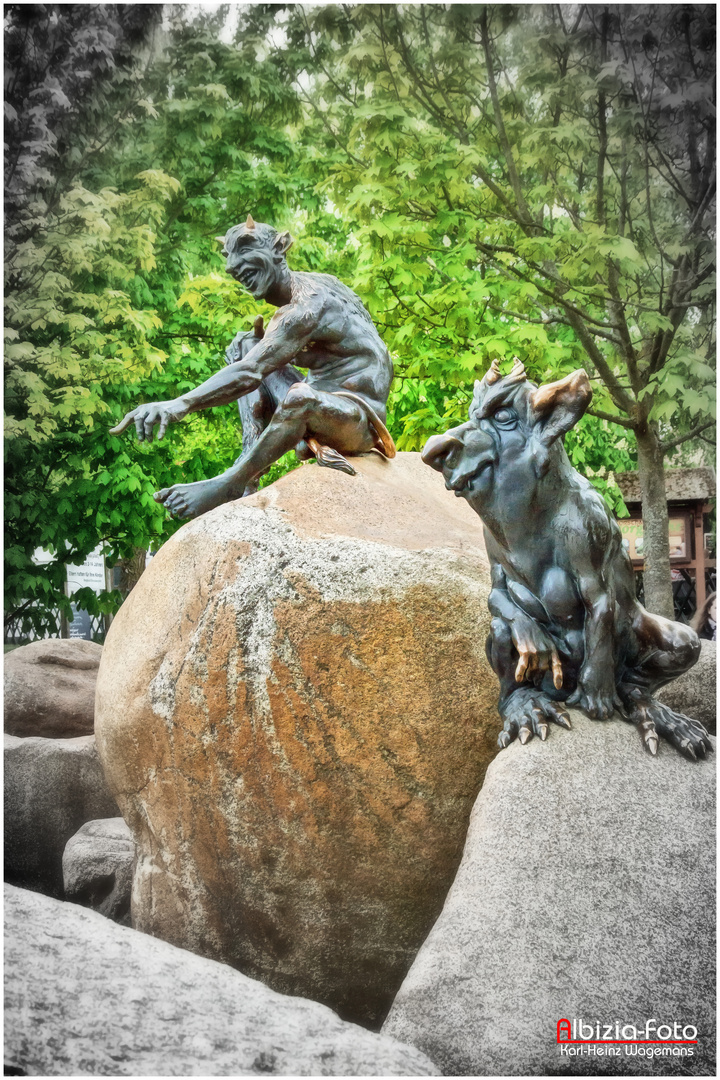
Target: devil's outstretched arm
[288,332]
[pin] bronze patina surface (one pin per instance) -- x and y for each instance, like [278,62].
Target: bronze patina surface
[337,408]
[567,626]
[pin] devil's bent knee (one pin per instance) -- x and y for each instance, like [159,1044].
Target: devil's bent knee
[299,398]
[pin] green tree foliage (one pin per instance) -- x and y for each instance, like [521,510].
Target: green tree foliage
[492,181]
[105,248]
[539,182]
[72,249]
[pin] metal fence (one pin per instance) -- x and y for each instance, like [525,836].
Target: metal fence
[684,594]
[90,627]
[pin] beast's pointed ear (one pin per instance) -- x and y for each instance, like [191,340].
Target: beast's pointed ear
[559,405]
[220,239]
[283,242]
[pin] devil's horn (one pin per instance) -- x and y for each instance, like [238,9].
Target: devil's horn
[249,224]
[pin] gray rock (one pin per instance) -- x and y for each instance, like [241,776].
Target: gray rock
[586,891]
[52,787]
[98,867]
[50,688]
[86,997]
[695,692]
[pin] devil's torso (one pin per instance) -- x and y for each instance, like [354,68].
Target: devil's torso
[345,351]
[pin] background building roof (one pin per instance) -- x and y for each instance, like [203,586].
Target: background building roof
[682,485]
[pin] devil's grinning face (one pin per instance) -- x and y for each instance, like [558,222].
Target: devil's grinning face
[252,262]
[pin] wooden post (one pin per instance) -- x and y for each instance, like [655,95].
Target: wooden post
[699,557]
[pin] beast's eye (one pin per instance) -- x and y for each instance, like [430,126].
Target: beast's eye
[505,417]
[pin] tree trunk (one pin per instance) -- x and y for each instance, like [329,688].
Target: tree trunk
[130,571]
[656,542]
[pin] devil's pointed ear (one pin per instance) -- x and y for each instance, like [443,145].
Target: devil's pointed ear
[557,407]
[220,239]
[283,242]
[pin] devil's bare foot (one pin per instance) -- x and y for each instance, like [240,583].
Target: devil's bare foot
[526,713]
[190,500]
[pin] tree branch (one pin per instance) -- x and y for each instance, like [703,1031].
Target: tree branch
[692,434]
[526,220]
[622,399]
[612,418]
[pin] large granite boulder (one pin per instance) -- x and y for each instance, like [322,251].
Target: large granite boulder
[50,688]
[85,997]
[586,892]
[98,868]
[295,713]
[52,787]
[695,692]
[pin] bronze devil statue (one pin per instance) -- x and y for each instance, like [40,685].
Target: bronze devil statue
[566,627]
[337,408]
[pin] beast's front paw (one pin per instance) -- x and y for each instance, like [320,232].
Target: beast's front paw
[597,704]
[526,713]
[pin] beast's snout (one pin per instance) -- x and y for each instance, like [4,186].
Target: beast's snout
[437,448]
[464,455]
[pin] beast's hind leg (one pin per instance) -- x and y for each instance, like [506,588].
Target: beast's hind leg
[666,650]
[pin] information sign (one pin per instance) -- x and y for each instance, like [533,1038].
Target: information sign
[632,534]
[88,575]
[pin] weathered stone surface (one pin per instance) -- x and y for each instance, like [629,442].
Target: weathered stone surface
[50,688]
[85,997]
[695,692]
[586,891]
[295,712]
[52,787]
[98,868]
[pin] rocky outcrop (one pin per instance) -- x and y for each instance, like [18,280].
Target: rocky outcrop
[85,997]
[50,688]
[295,713]
[695,692]
[586,892]
[98,868]
[52,787]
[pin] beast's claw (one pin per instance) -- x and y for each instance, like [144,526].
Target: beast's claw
[526,712]
[655,720]
[687,748]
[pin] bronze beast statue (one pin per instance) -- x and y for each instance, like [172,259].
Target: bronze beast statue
[566,624]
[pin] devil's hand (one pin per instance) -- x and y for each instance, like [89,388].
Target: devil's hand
[144,417]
